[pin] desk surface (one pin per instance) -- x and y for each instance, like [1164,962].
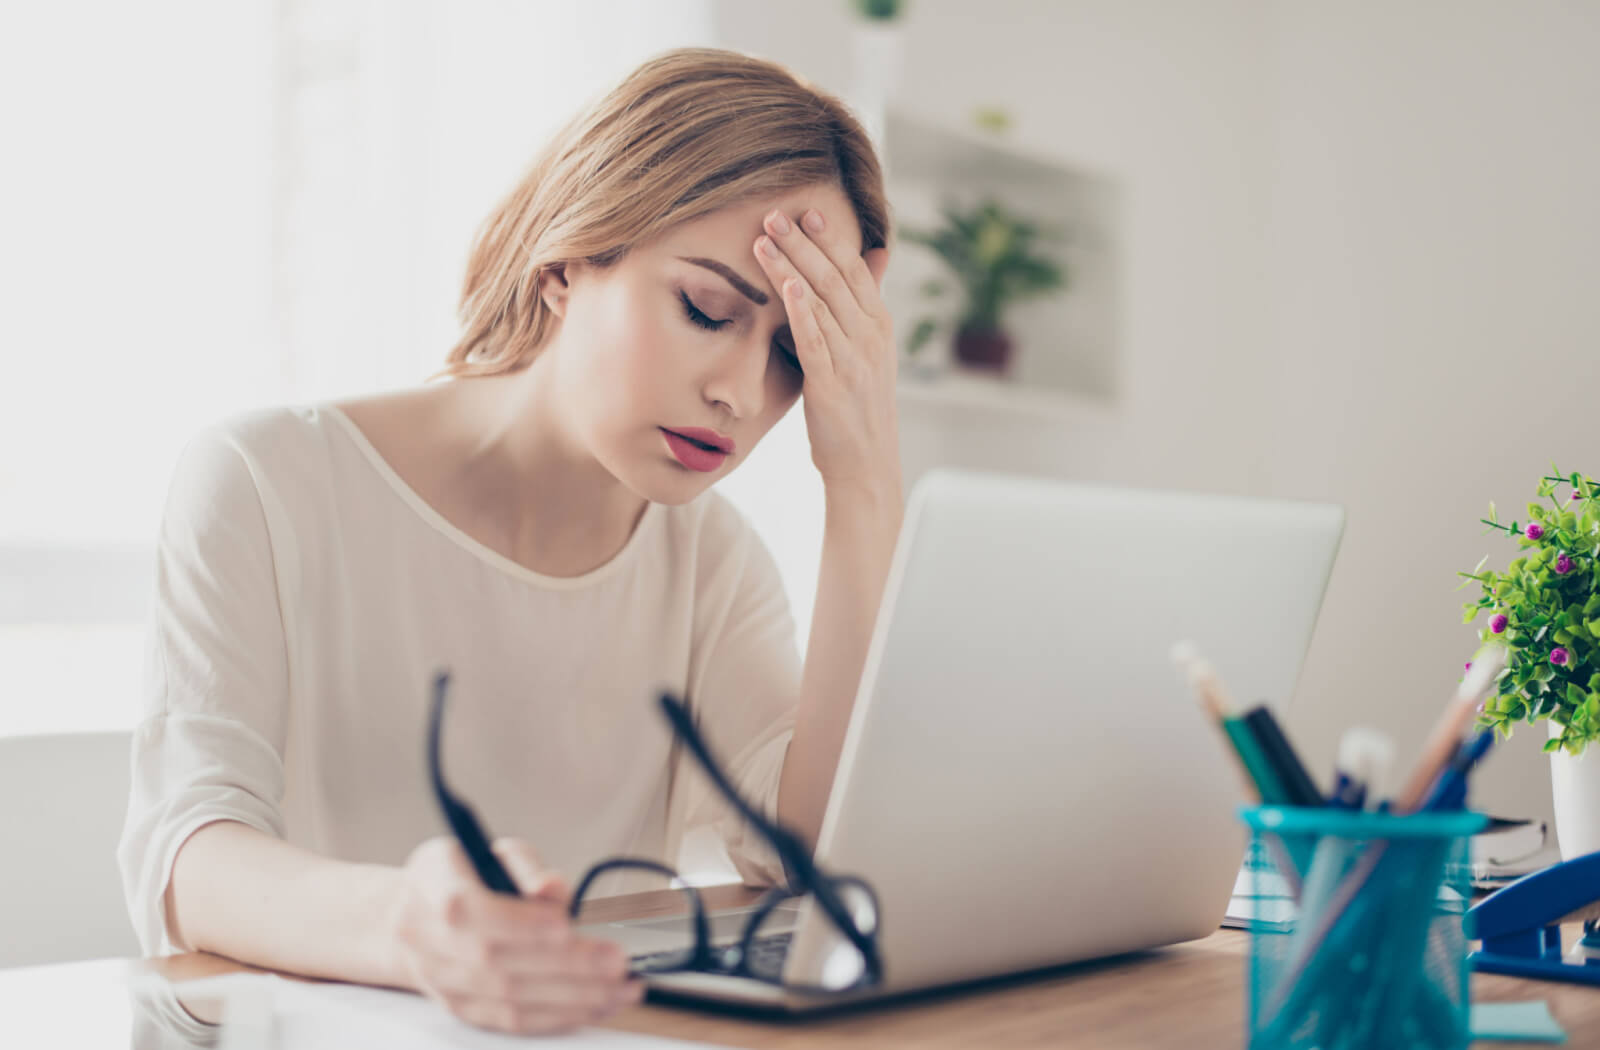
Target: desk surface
[1184,996]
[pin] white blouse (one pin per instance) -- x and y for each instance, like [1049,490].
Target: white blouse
[305,597]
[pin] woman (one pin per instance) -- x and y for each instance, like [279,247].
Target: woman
[680,263]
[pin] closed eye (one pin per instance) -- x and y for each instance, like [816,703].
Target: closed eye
[693,313]
[698,317]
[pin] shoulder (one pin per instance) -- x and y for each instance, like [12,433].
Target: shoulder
[242,456]
[262,434]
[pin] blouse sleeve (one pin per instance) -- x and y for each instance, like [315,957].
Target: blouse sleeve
[744,688]
[210,744]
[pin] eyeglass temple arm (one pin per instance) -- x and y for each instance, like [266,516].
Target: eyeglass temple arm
[463,822]
[791,850]
[796,856]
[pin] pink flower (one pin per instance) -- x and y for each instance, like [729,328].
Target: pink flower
[1469,665]
[1575,497]
[1497,623]
[1560,656]
[1534,531]
[1563,564]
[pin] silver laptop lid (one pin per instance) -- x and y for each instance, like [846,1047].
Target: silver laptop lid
[1025,779]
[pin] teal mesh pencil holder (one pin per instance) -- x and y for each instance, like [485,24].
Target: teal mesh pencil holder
[1368,950]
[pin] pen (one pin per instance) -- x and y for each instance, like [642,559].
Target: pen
[1442,744]
[1298,787]
[1290,858]
[1364,757]
[1450,791]
[1261,778]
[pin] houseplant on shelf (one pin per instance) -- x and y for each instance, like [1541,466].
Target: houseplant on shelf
[1545,607]
[992,253]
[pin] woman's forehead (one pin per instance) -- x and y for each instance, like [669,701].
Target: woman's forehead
[735,227]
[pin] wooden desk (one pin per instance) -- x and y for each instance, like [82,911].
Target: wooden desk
[1186,996]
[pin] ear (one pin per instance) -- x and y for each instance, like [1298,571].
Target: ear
[877,260]
[554,289]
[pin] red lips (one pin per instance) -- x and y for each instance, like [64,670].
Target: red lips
[705,437]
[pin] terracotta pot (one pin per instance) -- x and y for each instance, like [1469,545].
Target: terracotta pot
[987,348]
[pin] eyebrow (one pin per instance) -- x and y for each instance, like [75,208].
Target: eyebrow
[744,287]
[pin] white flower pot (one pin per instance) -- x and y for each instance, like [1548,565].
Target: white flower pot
[1575,783]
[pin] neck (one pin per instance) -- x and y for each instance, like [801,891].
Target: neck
[525,477]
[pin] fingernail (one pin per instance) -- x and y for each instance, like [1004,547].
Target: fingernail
[813,221]
[780,222]
[769,249]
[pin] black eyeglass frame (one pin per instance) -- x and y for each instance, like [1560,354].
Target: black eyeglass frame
[803,876]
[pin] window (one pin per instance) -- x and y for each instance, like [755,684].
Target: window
[212,207]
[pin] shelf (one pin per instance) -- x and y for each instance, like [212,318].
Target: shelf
[970,391]
[1067,343]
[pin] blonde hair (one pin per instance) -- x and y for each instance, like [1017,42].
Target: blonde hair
[689,132]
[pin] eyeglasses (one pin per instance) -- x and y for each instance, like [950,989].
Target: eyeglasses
[685,939]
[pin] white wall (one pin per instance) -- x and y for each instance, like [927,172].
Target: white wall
[1435,336]
[1355,232]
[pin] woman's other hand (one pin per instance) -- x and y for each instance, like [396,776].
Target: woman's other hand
[512,964]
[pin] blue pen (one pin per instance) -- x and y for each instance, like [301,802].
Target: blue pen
[1450,790]
[1407,992]
[1364,757]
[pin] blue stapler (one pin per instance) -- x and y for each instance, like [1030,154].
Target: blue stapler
[1520,925]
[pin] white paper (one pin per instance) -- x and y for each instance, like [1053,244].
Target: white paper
[264,1011]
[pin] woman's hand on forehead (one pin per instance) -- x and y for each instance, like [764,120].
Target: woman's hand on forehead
[844,338]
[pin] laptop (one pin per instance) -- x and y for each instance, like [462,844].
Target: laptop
[1026,781]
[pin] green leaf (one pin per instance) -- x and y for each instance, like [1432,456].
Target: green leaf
[921,334]
[1552,743]
[1576,696]
[1492,513]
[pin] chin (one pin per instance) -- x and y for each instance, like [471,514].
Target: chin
[662,487]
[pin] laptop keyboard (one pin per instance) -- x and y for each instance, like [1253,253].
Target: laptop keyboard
[766,953]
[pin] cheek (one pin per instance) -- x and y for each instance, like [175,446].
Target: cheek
[627,358]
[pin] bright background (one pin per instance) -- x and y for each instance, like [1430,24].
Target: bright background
[1358,243]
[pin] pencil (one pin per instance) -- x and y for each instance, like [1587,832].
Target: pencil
[1445,740]
[1260,779]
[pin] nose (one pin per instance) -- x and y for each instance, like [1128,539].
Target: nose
[740,380]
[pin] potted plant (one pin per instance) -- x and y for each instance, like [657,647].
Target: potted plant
[1545,607]
[992,254]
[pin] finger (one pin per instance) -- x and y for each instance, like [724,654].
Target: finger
[529,873]
[844,283]
[520,859]
[812,326]
[475,912]
[553,888]
[497,971]
[780,271]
